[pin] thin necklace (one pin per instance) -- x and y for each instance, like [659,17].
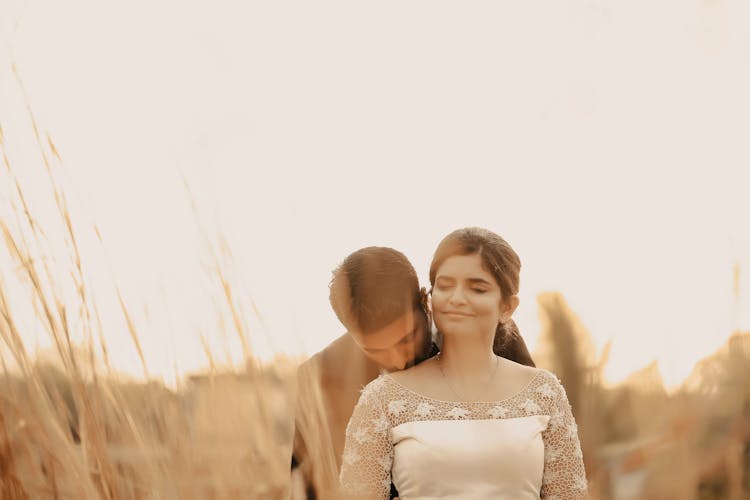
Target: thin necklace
[460,397]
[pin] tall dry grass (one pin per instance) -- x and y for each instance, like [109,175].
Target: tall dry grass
[73,428]
[640,441]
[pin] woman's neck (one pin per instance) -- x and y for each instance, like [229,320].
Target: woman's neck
[467,356]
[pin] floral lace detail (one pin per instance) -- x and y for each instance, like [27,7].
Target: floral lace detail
[546,391]
[385,404]
[396,408]
[457,413]
[531,408]
[498,412]
[361,435]
[423,410]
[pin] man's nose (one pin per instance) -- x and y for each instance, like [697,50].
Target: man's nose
[399,358]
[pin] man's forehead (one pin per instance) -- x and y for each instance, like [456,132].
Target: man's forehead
[390,334]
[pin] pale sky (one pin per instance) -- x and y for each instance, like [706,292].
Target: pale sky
[606,140]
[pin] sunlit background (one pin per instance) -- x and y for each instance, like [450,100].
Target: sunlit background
[607,141]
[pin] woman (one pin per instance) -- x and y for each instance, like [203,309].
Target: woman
[466,423]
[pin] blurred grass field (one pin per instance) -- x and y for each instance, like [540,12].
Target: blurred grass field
[73,428]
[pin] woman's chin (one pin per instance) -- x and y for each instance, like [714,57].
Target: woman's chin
[457,331]
[462,329]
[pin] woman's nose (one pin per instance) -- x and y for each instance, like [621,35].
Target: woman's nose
[457,297]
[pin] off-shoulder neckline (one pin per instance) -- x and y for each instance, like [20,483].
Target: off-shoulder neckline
[498,401]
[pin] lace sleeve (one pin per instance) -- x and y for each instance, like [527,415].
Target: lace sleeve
[368,452]
[564,475]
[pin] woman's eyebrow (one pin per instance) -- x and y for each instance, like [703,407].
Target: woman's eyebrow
[481,281]
[445,278]
[473,281]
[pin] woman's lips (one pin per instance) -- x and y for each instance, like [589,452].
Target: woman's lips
[455,314]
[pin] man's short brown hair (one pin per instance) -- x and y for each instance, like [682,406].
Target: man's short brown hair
[372,288]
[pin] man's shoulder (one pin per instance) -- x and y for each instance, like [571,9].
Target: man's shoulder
[339,349]
[336,361]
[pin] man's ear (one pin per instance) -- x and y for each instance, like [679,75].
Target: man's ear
[508,307]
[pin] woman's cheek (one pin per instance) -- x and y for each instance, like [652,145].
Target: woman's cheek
[438,299]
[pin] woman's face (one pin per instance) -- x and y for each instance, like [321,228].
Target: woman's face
[466,299]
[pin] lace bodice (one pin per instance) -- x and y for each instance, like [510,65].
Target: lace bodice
[525,446]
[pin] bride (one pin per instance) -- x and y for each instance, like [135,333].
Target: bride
[467,423]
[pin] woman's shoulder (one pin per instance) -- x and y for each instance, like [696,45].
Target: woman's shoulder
[528,373]
[548,378]
[379,389]
[538,381]
[419,379]
[516,374]
[548,388]
[413,373]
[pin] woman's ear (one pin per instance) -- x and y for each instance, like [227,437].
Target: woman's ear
[508,307]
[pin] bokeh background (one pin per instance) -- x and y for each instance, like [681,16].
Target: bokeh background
[184,176]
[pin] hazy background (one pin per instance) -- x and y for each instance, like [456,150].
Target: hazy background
[607,141]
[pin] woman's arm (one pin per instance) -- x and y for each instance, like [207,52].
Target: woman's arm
[564,474]
[368,452]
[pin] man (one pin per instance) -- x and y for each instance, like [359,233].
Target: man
[375,294]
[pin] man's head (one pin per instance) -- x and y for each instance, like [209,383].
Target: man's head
[375,294]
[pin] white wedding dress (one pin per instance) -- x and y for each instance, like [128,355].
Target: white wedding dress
[524,447]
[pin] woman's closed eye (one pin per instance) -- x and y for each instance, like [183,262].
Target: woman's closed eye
[445,288]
